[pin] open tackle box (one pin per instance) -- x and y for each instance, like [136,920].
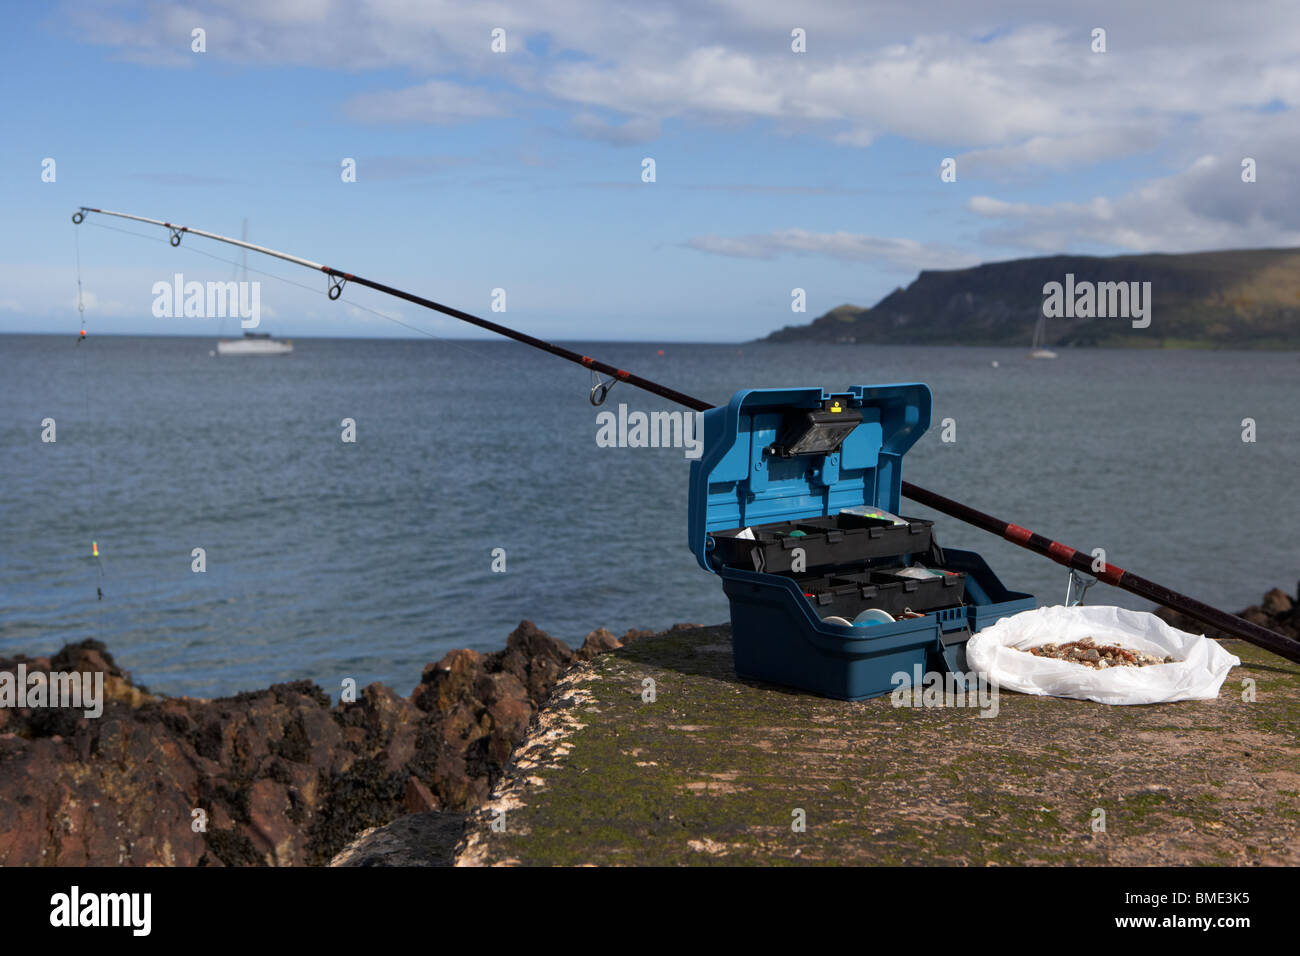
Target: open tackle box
[785,506]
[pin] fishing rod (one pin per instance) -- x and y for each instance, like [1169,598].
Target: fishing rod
[1109,573]
[339,278]
[1032,541]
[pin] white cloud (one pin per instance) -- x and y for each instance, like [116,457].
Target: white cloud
[637,129]
[854,137]
[1204,206]
[905,255]
[1009,82]
[1059,152]
[408,167]
[1009,87]
[434,102]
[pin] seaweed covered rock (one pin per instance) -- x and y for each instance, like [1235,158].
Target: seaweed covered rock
[271,777]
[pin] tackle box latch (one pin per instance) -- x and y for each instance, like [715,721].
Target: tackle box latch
[952,619]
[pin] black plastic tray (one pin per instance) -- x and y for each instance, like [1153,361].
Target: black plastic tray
[835,540]
[847,594]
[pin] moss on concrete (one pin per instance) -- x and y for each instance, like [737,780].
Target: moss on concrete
[715,770]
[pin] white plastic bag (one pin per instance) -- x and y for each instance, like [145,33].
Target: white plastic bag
[1197,672]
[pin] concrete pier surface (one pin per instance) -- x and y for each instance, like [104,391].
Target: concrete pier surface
[710,769]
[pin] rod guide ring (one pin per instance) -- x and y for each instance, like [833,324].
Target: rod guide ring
[600,389]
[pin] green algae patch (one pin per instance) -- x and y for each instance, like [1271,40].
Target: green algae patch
[657,754]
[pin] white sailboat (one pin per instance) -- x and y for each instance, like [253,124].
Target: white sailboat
[253,343]
[1039,344]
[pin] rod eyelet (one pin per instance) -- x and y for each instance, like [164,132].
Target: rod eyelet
[600,389]
[78,217]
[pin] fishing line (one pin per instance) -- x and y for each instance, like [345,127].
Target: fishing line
[90,456]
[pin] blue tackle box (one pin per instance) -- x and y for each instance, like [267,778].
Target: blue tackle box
[776,457]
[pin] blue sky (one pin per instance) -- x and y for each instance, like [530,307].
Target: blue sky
[522,170]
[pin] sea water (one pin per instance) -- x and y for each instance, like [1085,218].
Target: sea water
[327,559]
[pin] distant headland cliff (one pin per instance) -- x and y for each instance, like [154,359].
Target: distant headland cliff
[1237,299]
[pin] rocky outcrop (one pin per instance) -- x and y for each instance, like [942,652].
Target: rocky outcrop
[1277,611]
[417,839]
[272,777]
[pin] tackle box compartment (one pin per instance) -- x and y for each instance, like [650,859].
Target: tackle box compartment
[834,539]
[759,469]
[847,593]
[778,638]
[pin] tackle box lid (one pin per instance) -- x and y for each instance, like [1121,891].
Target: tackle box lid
[782,454]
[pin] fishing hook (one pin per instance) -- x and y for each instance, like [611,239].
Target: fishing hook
[336,287]
[600,389]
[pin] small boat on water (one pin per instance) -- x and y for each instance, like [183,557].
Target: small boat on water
[254,343]
[1039,344]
